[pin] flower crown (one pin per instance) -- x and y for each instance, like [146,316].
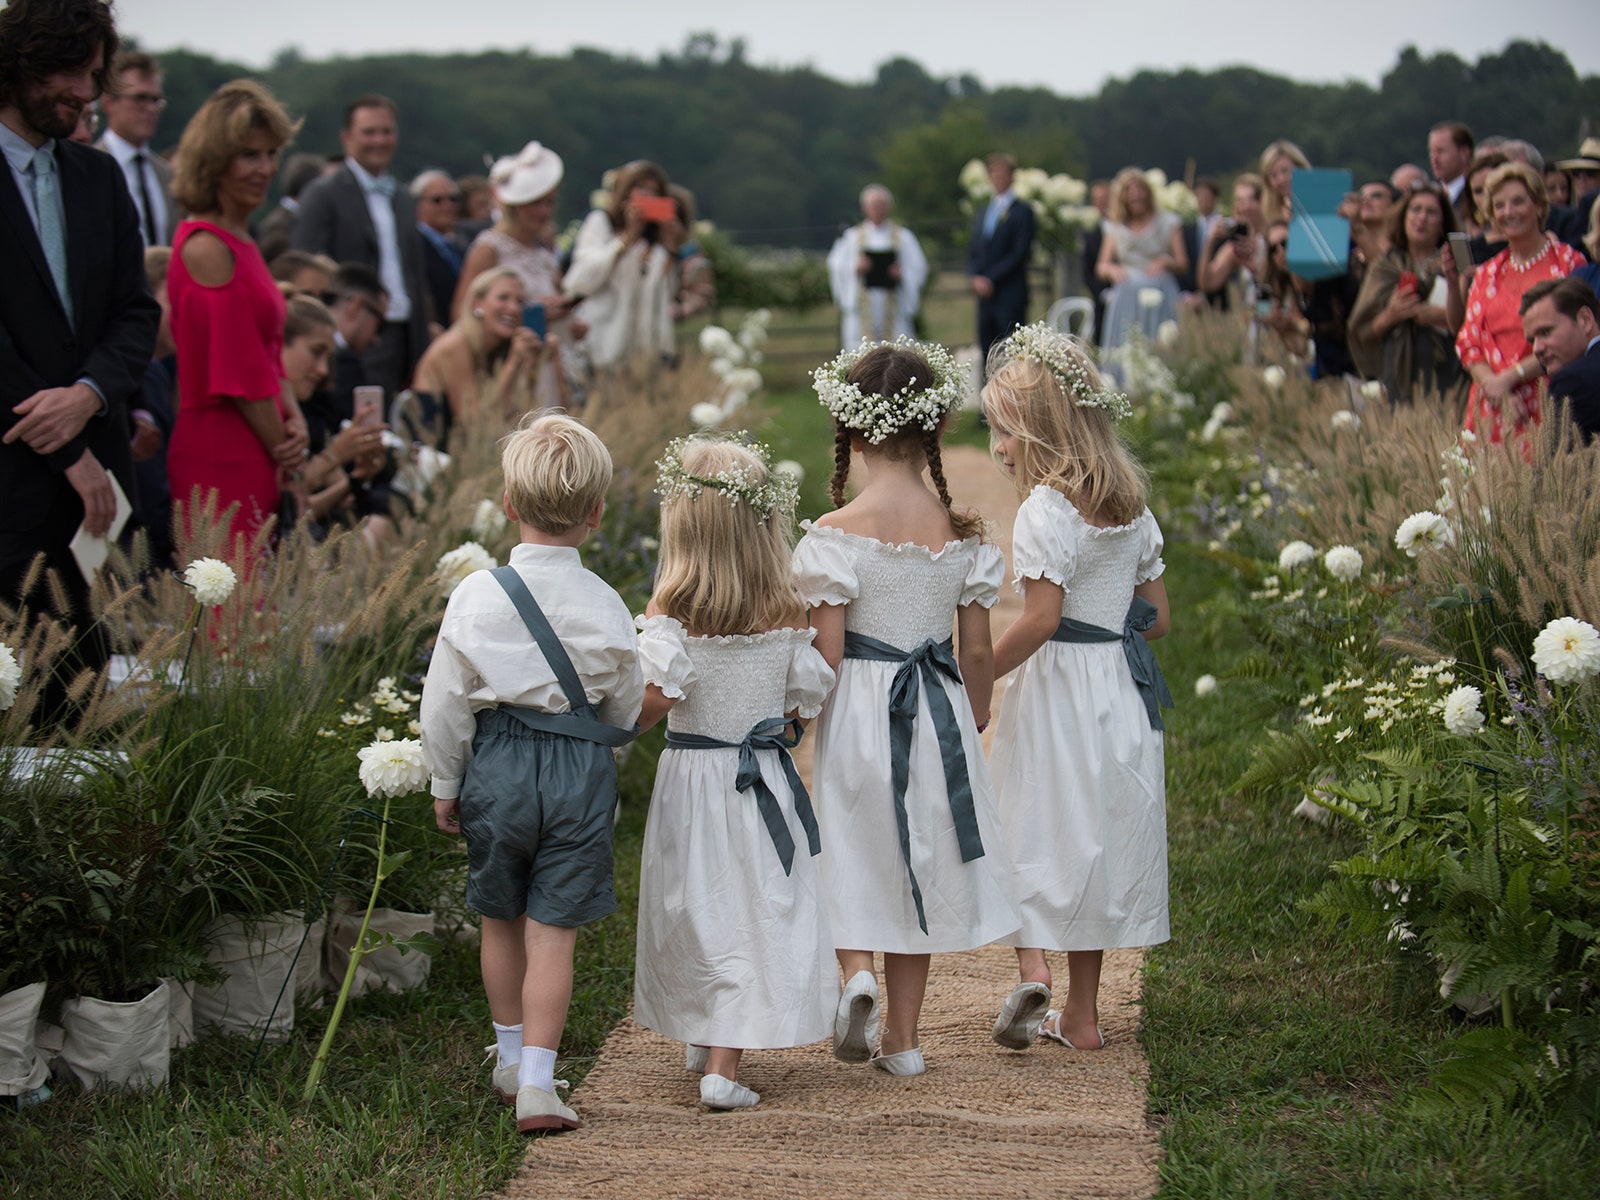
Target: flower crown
[736,484]
[921,402]
[1064,359]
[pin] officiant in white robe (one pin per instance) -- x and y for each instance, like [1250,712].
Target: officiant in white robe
[877,270]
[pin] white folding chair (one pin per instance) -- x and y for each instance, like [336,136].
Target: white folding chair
[1074,316]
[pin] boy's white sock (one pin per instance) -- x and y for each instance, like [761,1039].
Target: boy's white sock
[508,1038]
[538,1068]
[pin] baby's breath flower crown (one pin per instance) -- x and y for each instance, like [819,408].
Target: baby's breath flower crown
[736,484]
[1065,360]
[920,403]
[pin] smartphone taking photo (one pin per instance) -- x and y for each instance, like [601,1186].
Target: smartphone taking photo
[1461,250]
[533,318]
[367,405]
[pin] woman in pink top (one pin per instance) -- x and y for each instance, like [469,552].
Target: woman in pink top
[238,436]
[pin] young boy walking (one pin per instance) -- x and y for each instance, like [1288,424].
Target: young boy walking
[534,680]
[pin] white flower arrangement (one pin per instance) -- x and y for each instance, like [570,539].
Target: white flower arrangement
[10,677]
[1222,412]
[737,485]
[1167,334]
[1274,377]
[1151,297]
[715,341]
[1567,650]
[211,580]
[489,521]
[705,415]
[1372,390]
[1064,359]
[1462,714]
[1345,418]
[1423,529]
[1296,554]
[1343,563]
[455,565]
[393,768]
[1205,686]
[921,403]
[790,470]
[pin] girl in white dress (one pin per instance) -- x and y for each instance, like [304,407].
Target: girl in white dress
[733,946]
[913,856]
[1078,750]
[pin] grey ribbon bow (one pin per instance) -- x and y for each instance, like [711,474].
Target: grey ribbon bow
[766,735]
[1142,663]
[921,666]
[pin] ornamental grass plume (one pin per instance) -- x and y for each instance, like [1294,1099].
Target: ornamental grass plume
[1567,650]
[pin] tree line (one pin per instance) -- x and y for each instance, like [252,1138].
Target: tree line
[776,156]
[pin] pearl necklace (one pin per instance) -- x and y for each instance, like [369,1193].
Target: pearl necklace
[1524,263]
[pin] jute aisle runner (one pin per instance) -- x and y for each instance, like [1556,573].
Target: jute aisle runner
[983,1121]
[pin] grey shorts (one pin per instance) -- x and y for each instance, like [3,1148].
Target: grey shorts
[536,810]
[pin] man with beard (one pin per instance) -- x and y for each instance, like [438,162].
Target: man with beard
[77,323]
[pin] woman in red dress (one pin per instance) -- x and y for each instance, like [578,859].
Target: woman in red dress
[1504,401]
[238,436]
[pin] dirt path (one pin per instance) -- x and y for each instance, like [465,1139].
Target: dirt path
[982,1122]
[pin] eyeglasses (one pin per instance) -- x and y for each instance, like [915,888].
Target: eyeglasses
[144,100]
[1371,197]
[1278,245]
[447,198]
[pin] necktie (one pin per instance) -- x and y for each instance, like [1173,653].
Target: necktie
[53,239]
[150,238]
[992,217]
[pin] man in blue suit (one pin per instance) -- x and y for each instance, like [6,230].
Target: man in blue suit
[997,259]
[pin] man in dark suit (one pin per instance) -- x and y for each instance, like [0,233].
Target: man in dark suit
[997,259]
[133,109]
[438,202]
[1450,149]
[1561,320]
[77,323]
[276,231]
[359,213]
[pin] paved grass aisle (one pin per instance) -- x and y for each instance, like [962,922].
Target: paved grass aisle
[982,1122]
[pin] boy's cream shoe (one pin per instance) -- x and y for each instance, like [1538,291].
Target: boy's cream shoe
[539,1110]
[720,1092]
[503,1079]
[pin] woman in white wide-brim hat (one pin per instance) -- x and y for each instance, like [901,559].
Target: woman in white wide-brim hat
[522,238]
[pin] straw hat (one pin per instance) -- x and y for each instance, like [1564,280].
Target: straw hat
[528,176]
[1588,157]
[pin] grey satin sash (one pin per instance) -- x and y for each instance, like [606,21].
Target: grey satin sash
[921,666]
[766,735]
[1142,663]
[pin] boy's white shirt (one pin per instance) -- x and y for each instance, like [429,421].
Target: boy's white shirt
[486,657]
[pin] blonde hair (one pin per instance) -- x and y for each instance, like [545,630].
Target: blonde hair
[1062,445]
[556,471]
[1271,203]
[724,568]
[1117,210]
[303,314]
[471,325]
[218,132]
[1517,172]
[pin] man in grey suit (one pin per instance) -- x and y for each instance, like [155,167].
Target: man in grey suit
[132,110]
[360,213]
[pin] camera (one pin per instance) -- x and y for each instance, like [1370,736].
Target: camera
[1240,229]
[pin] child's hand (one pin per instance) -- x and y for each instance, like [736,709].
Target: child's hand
[448,815]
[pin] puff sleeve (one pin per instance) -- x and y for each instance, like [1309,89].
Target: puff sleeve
[221,334]
[1150,545]
[1044,542]
[810,677]
[824,572]
[663,657]
[984,576]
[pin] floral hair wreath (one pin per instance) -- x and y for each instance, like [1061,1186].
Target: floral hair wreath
[736,484]
[1064,359]
[922,402]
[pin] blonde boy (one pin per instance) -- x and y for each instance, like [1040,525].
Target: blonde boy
[534,678]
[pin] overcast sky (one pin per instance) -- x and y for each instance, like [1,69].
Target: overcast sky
[1065,45]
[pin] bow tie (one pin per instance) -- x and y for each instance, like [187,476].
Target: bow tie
[383,185]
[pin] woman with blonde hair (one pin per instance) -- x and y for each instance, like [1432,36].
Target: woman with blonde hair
[1142,253]
[1504,401]
[1278,163]
[481,368]
[526,186]
[624,270]
[239,434]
